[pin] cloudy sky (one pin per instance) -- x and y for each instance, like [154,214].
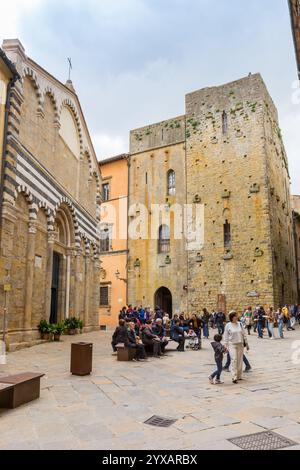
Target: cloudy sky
[134,60]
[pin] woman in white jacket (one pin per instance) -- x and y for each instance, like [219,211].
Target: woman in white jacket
[235,340]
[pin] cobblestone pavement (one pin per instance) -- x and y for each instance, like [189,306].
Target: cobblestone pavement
[107,410]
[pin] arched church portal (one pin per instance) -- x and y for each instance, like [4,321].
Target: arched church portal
[163,300]
[61,265]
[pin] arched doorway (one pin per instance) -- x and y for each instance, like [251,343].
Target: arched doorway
[61,265]
[163,300]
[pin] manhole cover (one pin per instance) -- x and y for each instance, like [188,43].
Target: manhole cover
[262,441]
[160,422]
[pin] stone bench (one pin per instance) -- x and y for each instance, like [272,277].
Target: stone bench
[125,354]
[15,390]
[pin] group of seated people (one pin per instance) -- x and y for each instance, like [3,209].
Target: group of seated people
[137,331]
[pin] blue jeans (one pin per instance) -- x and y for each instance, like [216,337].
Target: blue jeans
[221,329]
[271,330]
[280,329]
[246,362]
[205,330]
[260,330]
[218,372]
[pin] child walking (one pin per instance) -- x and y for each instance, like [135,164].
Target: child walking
[220,350]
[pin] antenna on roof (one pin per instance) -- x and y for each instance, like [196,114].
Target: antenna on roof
[70,67]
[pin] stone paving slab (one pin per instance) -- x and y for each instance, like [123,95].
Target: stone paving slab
[108,409]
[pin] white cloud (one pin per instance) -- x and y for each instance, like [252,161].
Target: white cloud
[108,146]
[13,13]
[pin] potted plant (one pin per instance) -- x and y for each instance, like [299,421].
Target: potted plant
[57,330]
[80,326]
[44,329]
[71,325]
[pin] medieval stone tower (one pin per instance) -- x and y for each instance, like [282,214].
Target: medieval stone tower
[227,155]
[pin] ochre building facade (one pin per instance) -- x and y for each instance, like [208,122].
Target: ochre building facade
[226,155]
[51,205]
[113,240]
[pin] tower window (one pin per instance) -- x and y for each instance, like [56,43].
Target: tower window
[171,183]
[164,239]
[227,235]
[224,123]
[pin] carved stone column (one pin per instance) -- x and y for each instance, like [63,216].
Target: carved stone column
[87,291]
[70,287]
[78,281]
[51,241]
[30,258]
[96,290]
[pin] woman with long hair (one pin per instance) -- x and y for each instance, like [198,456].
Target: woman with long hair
[235,341]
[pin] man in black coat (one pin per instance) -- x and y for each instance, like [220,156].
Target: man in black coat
[177,334]
[159,330]
[132,342]
[151,339]
[120,335]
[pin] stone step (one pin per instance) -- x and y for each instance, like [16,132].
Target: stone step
[27,344]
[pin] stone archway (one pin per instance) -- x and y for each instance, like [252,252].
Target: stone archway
[163,300]
[64,239]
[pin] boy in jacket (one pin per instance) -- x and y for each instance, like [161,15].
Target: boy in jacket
[220,350]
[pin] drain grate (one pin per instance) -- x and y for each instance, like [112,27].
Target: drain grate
[160,422]
[262,441]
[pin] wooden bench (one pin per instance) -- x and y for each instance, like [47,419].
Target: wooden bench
[125,354]
[15,390]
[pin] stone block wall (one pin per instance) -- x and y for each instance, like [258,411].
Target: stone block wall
[231,159]
[229,155]
[160,148]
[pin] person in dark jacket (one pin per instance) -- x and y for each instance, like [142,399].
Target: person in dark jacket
[184,325]
[261,318]
[219,350]
[151,339]
[158,313]
[177,335]
[220,320]
[120,335]
[123,313]
[134,343]
[205,319]
[159,330]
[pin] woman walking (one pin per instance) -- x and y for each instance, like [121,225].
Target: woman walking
[248,319]
[280,321]
[235,341]
[271,321]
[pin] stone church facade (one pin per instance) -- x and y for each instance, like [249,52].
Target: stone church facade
[51,205]
[225,154]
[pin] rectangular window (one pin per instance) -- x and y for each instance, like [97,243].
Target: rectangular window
[227,235]
[104,297]
[105,240]
[105,192]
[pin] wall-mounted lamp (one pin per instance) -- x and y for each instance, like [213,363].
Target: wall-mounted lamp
[117,274]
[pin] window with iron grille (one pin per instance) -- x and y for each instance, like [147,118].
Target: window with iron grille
[104,296]
[105,240]
[105,192]
[171,179]
[164,239]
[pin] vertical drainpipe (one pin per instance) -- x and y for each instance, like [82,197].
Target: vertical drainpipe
[186,201]
[127,242]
